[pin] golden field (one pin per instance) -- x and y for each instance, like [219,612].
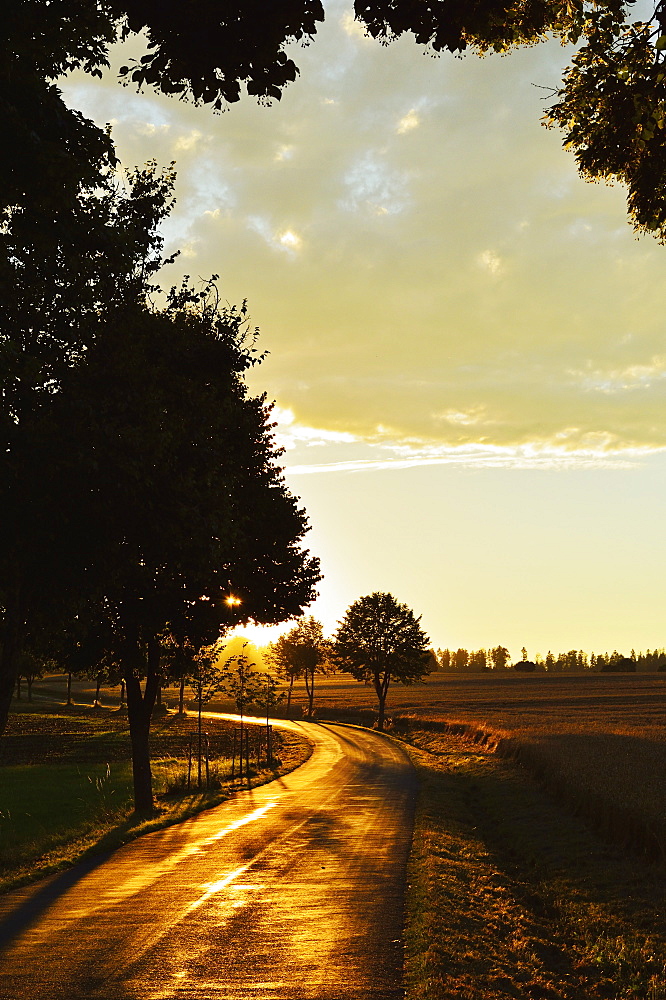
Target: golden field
[598,741]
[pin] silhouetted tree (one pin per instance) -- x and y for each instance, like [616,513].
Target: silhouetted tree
[500,657]
[267,697]
[242,682]
[280,656]
[60,290]
[380,640]
[477,660]
[460,659]
[164,488]
[206,679]
[620,665]
[30,668]
[444,659]
[302,652]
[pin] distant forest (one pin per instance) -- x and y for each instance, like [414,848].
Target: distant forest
[576,661]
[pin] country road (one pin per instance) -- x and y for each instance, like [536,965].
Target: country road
[290,891]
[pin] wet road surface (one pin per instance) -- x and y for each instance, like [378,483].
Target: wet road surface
[291,891]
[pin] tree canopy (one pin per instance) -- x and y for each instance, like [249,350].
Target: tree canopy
[611,104]
[380,640]
[140,482]
[301,652]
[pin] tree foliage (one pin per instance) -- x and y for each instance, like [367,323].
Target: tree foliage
[379,641]
[142,485]
[611,104]
[612,109]
[244,685]
[301,653]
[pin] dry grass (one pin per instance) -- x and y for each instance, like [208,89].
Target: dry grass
[511,898]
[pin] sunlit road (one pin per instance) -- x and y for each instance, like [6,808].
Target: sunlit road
[293,890]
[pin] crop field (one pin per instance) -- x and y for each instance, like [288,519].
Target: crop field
[597,741]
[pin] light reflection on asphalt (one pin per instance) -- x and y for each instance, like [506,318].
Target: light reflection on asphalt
[290,891]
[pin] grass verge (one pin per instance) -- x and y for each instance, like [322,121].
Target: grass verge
[511,898]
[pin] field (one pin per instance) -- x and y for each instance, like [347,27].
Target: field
[511,896]
[597,741]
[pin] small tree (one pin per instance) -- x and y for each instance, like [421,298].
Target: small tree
[477,660]
[380,640]
[302,652]
[30,668]
[267,697]
[205,680]
[280,656]
[500,657]
[460,659]
[241,682]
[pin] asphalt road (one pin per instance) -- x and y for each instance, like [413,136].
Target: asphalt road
[291,891]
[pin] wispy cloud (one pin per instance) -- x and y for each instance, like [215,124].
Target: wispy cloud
[484,458]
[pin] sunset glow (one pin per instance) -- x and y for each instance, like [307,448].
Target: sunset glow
[465,340]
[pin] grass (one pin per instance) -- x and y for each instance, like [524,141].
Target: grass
[66,783]
[511,897]
[44,807]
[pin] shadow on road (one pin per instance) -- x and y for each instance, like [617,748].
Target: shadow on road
[31,908]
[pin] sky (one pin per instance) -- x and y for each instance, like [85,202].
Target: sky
[466,340]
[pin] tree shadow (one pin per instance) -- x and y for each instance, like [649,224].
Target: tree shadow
[41,896]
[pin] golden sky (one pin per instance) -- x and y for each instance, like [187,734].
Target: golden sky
[466,340]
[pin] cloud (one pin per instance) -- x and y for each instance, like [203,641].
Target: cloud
[418,253]
[545,457]
[371,183]
[353,28]
[621,380]
[490,261]
[408,122]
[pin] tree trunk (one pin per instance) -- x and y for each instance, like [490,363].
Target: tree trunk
[28,681]
[139,725]
[199,750]
[122,694]
[291,687]
[69,687]
[139,710]
[181,697]
[18,686]
[382,706]
[99,684]
[9,653]
[309,687]
[381,689]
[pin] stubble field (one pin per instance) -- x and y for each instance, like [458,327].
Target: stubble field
[597,741]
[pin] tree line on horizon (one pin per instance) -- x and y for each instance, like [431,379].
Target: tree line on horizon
[573,661]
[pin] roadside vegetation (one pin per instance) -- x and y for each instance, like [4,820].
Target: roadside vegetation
[67,783]
[512,897]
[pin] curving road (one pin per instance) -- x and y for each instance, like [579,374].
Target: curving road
[290,891]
